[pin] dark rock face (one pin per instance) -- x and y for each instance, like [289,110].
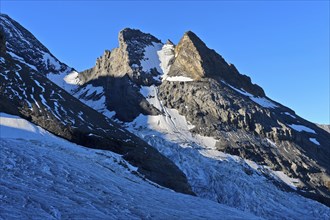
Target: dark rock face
[127,101]
[194,59]
[2,43]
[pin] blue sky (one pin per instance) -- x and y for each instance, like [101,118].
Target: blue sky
[282,45]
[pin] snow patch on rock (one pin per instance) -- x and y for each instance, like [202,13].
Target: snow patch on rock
[301,128]
[166,56]
[67,80]
[292,116]
[314,141]
[264,102]
[50,61]
[179,79]
[150,59]
[21,60]
[72,78]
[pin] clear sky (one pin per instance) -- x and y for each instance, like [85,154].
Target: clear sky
[282,45]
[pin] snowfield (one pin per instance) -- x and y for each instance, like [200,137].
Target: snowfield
[45,177]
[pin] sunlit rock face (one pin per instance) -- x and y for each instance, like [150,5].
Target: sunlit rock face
[194,59]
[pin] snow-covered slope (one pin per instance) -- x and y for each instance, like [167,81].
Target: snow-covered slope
[45,177]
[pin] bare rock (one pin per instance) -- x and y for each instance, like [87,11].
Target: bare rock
[194,59]
[2,43]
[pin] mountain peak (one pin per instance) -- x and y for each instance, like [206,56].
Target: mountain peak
[135,35]
[188,61]
[195,60]
[125,59]
[193,37]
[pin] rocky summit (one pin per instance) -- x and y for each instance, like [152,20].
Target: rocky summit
[122,71]
[194,59]
[153,116]
[125,60]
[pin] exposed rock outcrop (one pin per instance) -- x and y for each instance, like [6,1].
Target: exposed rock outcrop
[324,127]
[2,43]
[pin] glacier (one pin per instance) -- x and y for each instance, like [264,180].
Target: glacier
[45,177]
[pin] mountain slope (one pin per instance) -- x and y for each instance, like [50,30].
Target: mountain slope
[222,104]
[247,123]
[23,46]
[46,177]
[27,92]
